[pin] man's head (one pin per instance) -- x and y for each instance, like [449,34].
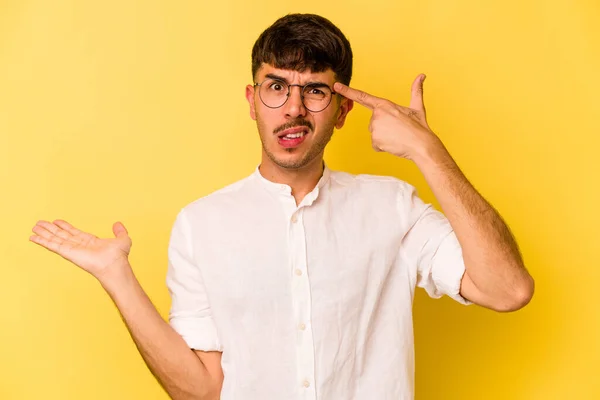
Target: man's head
[295,63]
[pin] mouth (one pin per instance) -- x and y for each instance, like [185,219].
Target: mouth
[293,137]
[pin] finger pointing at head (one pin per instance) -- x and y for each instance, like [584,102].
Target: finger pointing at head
[358,96]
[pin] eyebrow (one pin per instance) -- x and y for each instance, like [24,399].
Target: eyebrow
[282,79]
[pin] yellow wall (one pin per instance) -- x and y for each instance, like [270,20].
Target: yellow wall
[128,110]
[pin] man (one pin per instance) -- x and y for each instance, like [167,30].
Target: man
[298,281]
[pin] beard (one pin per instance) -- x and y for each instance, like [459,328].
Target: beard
[316,148]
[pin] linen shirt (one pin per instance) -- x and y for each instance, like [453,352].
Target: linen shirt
[310,301]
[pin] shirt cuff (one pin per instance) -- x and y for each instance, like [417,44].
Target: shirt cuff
[198,333]
[450,268]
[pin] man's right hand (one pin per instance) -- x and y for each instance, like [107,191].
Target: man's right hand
[94,255]
[182,372]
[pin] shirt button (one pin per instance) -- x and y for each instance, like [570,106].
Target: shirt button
[294,218]
[302,327]
[306,384]
[298,272]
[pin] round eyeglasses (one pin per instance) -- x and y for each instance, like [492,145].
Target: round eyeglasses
[274,93]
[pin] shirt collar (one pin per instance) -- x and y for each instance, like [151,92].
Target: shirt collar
[286,189]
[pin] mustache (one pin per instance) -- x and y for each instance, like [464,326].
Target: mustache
[293,124]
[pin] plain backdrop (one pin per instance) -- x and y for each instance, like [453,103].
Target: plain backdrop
[129,110]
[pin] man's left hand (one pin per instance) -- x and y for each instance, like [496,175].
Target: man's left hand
[398,130]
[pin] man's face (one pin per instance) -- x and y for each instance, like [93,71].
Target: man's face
[279,128]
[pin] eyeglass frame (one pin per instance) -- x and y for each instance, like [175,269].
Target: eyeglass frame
[289,91]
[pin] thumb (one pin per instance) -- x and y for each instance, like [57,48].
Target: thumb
[416,98]
[119,230]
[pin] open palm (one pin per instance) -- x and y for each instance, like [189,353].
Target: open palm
[93,254]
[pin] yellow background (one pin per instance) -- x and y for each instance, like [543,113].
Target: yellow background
[129,110]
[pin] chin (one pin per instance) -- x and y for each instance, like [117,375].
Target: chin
[292,161]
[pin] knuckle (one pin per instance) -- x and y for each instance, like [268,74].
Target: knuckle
[395,111]
[379,112]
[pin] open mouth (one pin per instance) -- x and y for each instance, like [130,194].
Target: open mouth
[293,137]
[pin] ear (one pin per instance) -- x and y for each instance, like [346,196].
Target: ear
[250,98]
[345,108]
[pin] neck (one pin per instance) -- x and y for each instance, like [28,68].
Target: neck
[302,180]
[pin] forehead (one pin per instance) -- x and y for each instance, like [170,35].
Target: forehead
[292,76]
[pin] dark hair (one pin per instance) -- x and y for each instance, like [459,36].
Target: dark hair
[304,41]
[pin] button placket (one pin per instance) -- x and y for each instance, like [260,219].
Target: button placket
[302,305]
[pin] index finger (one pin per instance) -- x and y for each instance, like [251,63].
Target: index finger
[358,96]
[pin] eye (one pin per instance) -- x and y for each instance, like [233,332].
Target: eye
[276,86]
[314,90]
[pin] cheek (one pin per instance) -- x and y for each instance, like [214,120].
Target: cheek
[269,118]
[264,122]
[325,123]
[260,122]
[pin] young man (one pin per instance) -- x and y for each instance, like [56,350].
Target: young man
[298,281]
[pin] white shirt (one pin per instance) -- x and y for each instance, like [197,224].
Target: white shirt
[311,301]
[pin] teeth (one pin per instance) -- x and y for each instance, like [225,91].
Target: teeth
[294,135]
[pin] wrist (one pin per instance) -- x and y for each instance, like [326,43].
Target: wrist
[115,276]
[431,152]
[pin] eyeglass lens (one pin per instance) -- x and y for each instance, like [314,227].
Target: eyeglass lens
[274,94]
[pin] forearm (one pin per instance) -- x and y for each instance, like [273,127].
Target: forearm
[492,258]
[177,368]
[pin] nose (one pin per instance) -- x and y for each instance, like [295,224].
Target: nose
[294,107]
